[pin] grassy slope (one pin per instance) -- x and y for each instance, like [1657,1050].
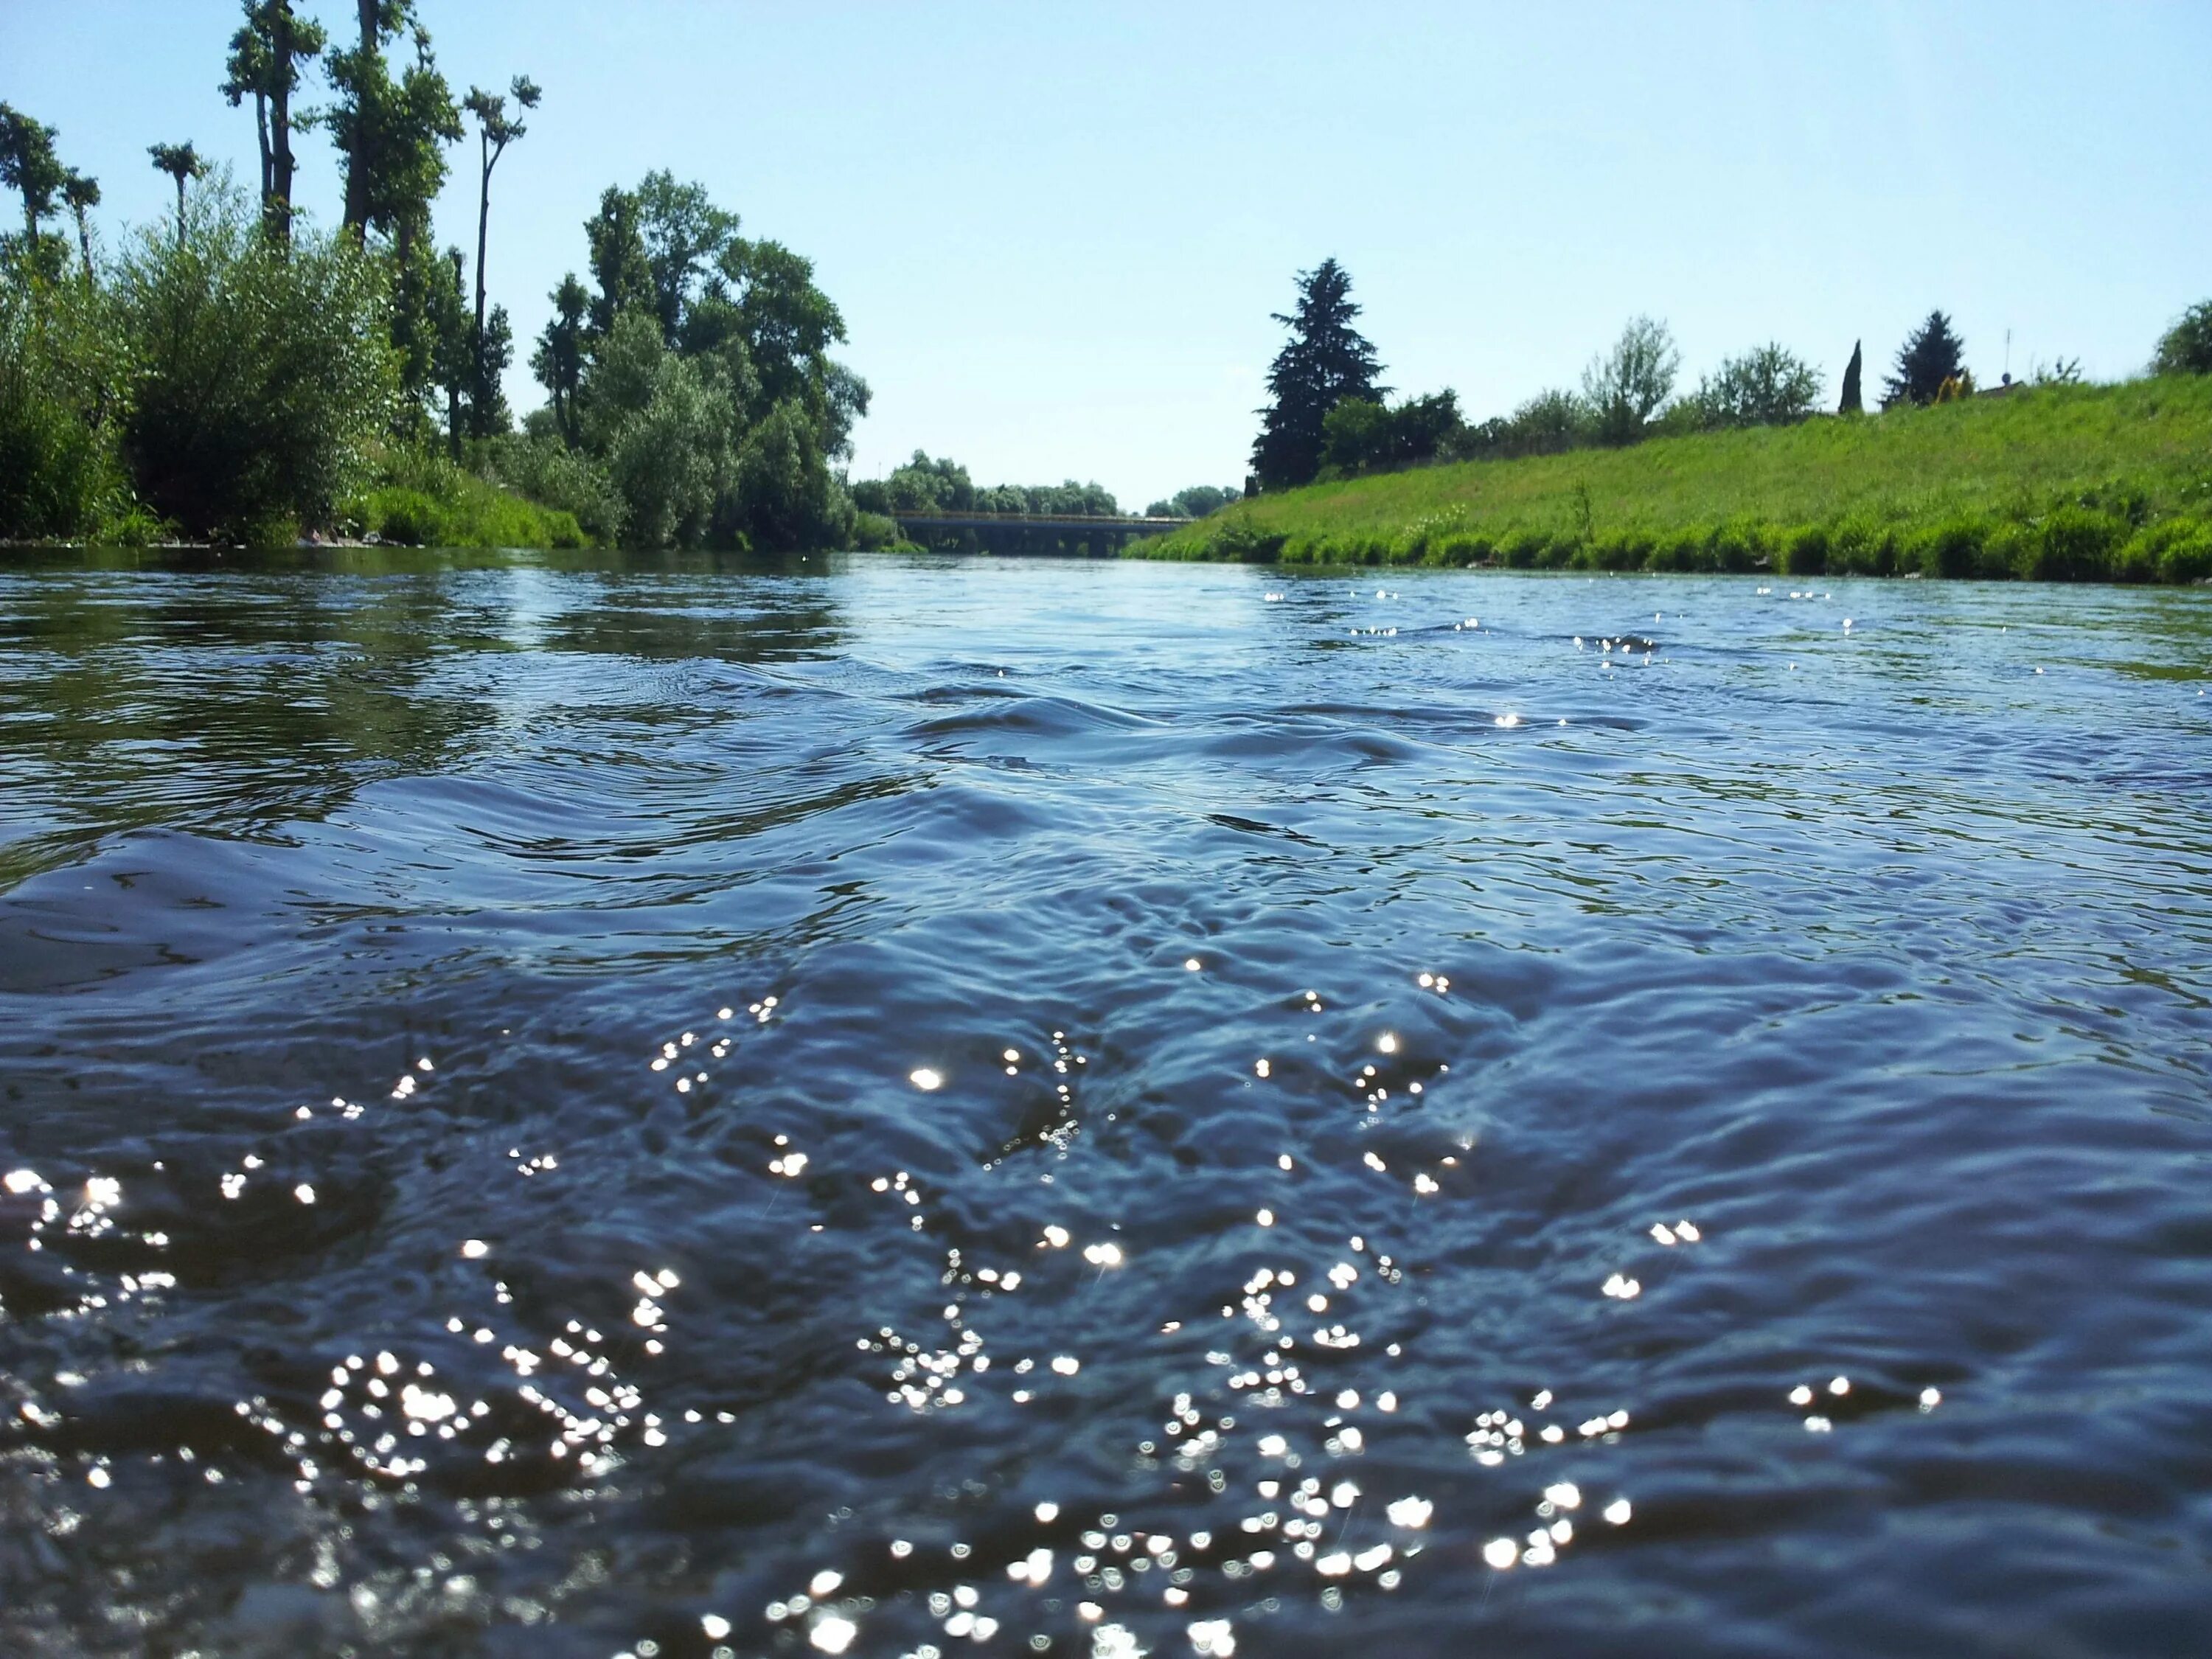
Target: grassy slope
[2087,481]
[423,500]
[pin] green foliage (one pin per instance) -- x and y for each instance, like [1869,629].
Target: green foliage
[60,378]
[1326,361]
[540,466]
[259,378]
[1852,402]
[2187,348]
[2053,484]
[1361,436]
[419,499]
[1932,356]
[942,485]
[29,166]
[1195,502]
[1768,386]
[1624,387]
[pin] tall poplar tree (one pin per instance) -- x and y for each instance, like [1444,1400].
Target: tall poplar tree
[29,166]
[82,193]
[182,163]
[1852,402]
[265,58]
[495,130]
[1325,362]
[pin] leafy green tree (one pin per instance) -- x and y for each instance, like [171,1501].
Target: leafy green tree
[1626,387]
[784,495]
[265,58]
[1198,501]
[182,163]
[258,380]
[394,132]
[685,236]
[29,166]
[82,193]
[1852,402]
[1326,361]
[1768,386]
[558,360]
[2185,348]
[495,130]
[619,264]
[1549,423]
[1931,356]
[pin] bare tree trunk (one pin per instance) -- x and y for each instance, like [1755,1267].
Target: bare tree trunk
[359,162]
[483,227]
[84,245]
[180,213]
[277,205]
[261,131]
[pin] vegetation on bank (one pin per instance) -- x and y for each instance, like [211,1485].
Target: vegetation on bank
[236,375]
[2049,483]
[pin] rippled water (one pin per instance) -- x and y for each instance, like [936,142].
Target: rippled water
[467,1029]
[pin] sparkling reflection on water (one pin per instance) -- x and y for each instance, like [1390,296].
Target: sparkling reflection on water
[638,1106]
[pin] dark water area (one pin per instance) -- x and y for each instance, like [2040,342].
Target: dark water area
[594,1107]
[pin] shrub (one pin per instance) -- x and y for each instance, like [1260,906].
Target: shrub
[2075,544]
[551,474]
[61,389]
[2009,551]
[1522,549]
[2187,348]
[875,532]
[261,376]
[1949,547]
[1739,546]
[2187,558]
[1805,550]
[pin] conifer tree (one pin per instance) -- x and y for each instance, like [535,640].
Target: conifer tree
[1930,356]
[1325,362]
[1852,404]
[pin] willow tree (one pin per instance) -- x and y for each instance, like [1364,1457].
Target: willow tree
[182,163]
[495,130]
[266,55]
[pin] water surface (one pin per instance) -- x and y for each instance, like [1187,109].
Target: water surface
[592,1107]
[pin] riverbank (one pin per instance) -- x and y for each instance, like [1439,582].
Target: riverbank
[2084,483]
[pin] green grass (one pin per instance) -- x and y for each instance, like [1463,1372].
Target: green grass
[425,500]
[2049,483]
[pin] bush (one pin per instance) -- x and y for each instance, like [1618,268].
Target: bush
[62,386]
[1805,550]
[1950,547]
[876,533]
[2187,348]
[261,377]
[549,473]
[2075,544]
[2187,558]
[422,499]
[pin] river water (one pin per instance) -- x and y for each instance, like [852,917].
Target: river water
[588,1107]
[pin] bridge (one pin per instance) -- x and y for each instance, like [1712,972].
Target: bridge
[1071,535]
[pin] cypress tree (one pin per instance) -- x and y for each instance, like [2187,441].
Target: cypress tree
[1932,356]
[1325,362]
[1851,403]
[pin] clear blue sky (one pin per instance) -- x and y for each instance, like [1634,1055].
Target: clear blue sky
[1056,230]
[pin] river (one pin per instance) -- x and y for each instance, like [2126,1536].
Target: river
[586,1106]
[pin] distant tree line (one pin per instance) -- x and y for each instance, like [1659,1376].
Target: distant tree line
[237,374]
[942,485]
[1329,416]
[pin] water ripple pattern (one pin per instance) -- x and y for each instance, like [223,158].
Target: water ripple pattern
[600,1107]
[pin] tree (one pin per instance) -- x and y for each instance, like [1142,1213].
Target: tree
[618,260]
[558,361]
[1768,386]
[1626,385]
[685,237]
[1360,435]
[260,374]
[1851,403]
[2187,348]
[495,130]
[1325,362]
[1196,502]
[266,56]
[29,166]
[1930,356]
[82,195]
[393,133]
[182,163]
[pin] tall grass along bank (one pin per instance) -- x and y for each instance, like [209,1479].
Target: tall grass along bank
[2069,483]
